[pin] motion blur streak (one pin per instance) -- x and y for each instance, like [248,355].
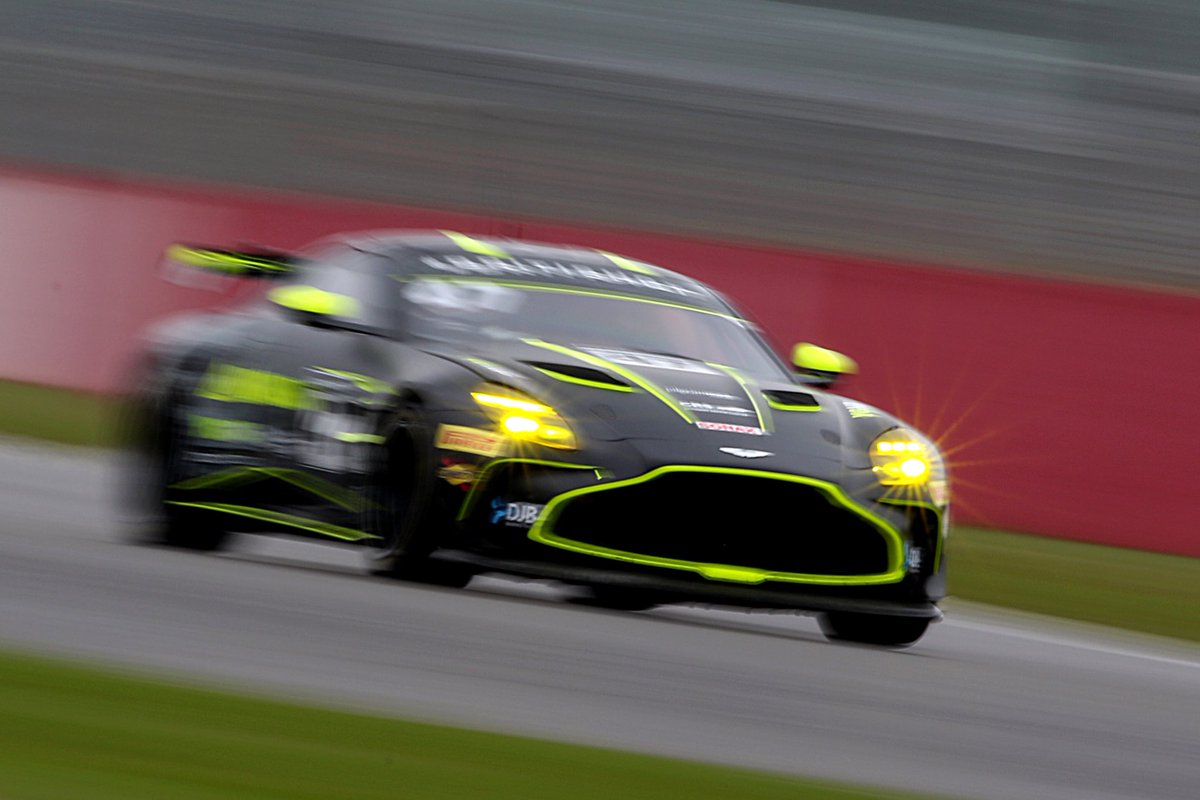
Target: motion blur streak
[1002,133]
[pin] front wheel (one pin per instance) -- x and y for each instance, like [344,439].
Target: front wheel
[405,512]
[876,629]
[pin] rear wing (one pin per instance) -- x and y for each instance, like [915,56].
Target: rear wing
[250,263]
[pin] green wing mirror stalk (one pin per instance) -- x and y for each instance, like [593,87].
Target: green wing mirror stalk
[820,366]
[235,263]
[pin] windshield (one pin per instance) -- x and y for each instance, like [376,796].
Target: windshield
[477,311]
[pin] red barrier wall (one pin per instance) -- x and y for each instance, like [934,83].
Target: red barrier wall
[1065,408]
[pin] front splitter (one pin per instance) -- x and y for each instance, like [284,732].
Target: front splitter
[676,590]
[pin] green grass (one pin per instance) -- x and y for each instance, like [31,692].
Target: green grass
[68,731]
[57,415]
[1134,589]
[1141,591]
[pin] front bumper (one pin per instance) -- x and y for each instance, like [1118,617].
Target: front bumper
[699,531]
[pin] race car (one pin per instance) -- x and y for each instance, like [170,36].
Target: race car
[456,405]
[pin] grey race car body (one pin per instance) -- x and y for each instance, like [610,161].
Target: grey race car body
[461,405]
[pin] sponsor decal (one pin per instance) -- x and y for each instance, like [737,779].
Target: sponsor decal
[732,411]
[515,515]
[859,410]
[680,390]
[632,358]
[535,268]
[742,452]
[727,427]
[939,492]
[913,559]
[469,440]
[458,473]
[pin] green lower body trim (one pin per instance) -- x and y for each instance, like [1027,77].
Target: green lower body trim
[239,476]
[279,518]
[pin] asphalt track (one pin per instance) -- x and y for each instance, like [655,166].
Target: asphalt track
[986,706]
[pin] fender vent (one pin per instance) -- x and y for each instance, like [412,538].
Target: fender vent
[792,401]
[575,373]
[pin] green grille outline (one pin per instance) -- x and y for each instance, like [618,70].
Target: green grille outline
[542,533]
[279,518]
[938,512]
[485,474]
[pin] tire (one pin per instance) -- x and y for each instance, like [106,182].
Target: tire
[406,513]
[874,629]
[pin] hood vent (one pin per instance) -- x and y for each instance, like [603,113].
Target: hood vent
[791,401]
[585,376]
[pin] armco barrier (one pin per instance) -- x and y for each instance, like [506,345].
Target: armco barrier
[1066,408]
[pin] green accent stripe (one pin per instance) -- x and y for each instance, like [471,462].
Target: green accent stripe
[627,374]
[560,289]
[359,438]
[788,406]
[628,263]
[279,518]
[764,416]
[542,532]
[559,376]
[238,476]
[472,245]
[226,478]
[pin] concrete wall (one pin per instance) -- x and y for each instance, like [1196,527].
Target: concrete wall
[1066,408]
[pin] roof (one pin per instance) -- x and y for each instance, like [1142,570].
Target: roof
[452,254]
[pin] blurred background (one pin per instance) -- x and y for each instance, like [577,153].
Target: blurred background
[991,204]
[1056,136]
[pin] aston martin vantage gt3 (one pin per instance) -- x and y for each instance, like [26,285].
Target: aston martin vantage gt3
[457,405]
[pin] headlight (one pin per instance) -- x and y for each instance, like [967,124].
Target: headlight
[520,416]
[901,458]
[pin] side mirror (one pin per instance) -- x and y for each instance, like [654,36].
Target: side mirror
[318,307]
[819,366]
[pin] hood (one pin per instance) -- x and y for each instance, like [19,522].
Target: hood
[616,394]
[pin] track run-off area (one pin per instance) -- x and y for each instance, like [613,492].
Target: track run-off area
[987,705]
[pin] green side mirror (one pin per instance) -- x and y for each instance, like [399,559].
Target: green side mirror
[318,302]
[821,366]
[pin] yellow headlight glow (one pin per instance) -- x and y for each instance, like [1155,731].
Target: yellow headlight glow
[521,417]
[899,458]
[515,423]
[493,400]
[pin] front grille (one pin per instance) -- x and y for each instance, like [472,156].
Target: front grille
[747,521]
